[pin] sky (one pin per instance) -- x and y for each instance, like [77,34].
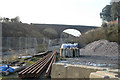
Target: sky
[71,12]
[73,32]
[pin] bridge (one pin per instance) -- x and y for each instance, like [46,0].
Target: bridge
[60,28]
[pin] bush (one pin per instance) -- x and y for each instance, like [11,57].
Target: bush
[50,33]
[29,62]
[109,33]
[104,24]
[112,33]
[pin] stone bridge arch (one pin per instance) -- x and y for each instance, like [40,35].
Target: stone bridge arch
[80,28]
[69,35]
[60,28]
[73,32]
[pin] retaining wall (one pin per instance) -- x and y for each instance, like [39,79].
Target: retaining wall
[63,70]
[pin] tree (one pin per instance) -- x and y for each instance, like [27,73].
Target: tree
[4,19]
[0,19]
[7,19]
[106,13]
[104,24]
[111,12]
[115,11]
[16,19]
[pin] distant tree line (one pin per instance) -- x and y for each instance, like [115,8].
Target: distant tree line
[4,19]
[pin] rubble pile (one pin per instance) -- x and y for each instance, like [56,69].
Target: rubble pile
[101,48]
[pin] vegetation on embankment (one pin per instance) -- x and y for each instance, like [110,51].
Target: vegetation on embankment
[22,33]
[109,33]
[15,29]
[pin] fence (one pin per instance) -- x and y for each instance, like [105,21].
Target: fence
[19,43]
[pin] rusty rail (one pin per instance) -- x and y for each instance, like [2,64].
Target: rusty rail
[48,71]
[36,69]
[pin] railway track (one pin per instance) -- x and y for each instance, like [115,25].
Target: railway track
[36,69]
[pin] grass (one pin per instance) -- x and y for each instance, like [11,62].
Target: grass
[29,62]
[36,58]
[11,76]
[33,61]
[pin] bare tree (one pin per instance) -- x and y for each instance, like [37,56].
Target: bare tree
[16,19]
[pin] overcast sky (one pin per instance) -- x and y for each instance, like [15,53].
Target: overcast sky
[72,12]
